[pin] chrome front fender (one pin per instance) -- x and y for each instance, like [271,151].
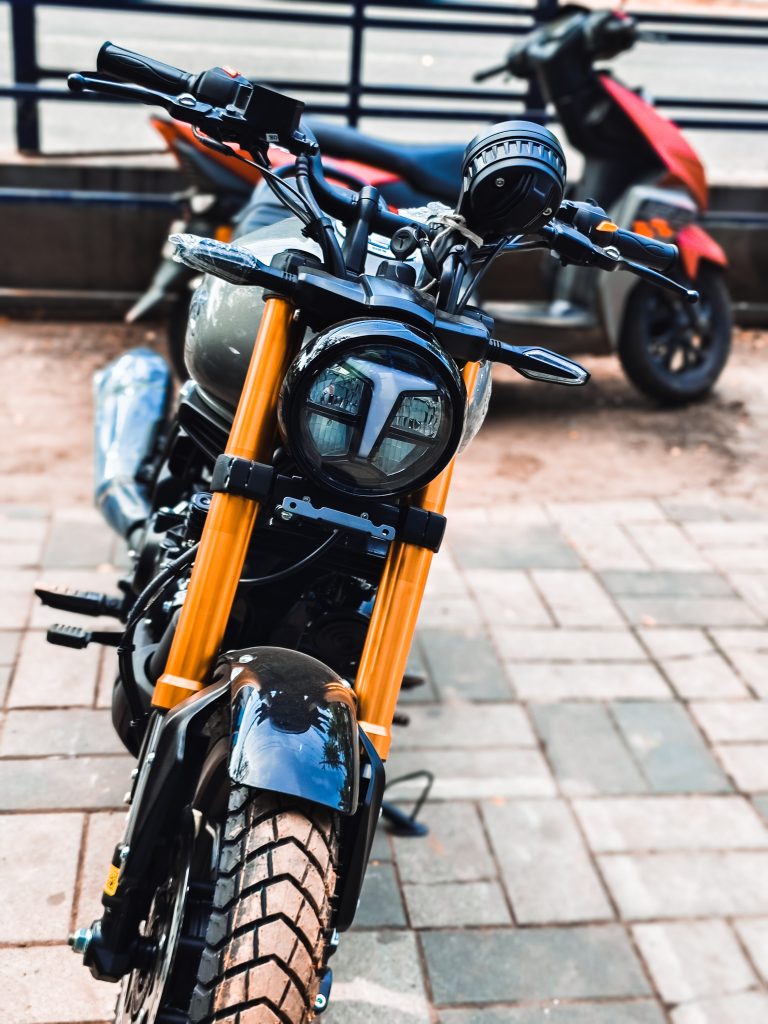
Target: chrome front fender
[294,727]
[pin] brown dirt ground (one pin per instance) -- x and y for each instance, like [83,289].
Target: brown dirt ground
[539,443]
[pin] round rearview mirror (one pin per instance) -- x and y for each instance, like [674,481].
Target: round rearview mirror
[513,177]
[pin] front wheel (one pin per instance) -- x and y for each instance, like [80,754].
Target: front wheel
[267,935]
[239,923]
[667,354]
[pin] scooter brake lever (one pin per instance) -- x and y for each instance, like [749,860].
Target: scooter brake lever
[660,280]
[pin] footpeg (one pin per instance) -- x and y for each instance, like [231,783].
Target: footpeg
[412,680]
[77,638]
[81,602]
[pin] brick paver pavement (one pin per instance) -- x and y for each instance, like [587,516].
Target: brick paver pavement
[596,714]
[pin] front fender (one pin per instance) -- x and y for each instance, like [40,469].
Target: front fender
[294,727]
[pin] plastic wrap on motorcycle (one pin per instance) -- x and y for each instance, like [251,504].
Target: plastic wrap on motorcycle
[294,727]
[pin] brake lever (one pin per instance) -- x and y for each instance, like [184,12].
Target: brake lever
[660,280]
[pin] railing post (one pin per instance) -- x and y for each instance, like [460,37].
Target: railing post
[25,72]
[545,10]
[356,61]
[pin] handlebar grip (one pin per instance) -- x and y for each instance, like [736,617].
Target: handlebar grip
[135,67]
[648,251]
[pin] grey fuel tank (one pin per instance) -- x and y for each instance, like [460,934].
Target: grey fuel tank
[224,318]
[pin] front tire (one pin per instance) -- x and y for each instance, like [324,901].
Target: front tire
[662,354]
[267,935]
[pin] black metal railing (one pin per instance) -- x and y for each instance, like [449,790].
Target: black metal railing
[351,97]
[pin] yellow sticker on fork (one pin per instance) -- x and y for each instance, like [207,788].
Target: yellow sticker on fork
[110,886]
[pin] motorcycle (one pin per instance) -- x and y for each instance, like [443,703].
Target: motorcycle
[282,521]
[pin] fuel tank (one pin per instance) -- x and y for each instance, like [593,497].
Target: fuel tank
[224,318]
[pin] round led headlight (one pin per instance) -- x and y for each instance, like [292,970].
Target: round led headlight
[372,408]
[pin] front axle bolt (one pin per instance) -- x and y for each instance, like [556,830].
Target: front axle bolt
[80,940]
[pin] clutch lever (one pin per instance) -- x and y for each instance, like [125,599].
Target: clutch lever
[182,108]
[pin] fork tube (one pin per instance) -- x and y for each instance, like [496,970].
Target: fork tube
[393,622]
[229,523]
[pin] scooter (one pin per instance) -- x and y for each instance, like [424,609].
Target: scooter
[282,521]
[645,173]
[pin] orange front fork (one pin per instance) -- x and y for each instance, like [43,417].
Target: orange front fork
[229,523]
[393,622]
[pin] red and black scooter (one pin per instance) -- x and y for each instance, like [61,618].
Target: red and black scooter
[638,165]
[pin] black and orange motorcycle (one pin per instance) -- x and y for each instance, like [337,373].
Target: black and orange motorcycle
[282,520]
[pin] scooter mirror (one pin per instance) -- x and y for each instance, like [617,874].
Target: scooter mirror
[513,177]
[230,262]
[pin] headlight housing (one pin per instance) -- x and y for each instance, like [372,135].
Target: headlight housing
[372,408]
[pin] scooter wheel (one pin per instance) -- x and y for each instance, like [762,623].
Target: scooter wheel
[667,355]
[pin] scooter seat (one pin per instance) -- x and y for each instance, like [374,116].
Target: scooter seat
[432,170]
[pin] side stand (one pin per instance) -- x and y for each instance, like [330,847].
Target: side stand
[401,822]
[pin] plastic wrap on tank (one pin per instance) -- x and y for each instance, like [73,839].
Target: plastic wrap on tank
[130,401]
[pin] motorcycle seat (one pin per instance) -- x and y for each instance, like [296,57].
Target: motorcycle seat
[432,170]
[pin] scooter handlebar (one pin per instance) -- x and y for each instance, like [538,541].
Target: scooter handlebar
[135,67]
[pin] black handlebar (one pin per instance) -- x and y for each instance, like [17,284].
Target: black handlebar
[135,67]
[641,249]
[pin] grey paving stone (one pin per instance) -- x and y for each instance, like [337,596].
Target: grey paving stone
[38,863]
[459,725]
[752,666]
[632,510]
[417,665]
[747,764]
[545,865]
[555,681]
[79,540]
[585,750]
[376,976]
[475,774]
[669,748]
[675,643]
[693,959]
[761,803]
[687,611]
[454,851]
[46,983]
[498,547]
[753,932]
[439,612]
[671,823]
[20,554]
[9,646]
[462,663]
[687,884]
[667,547]
[704,677]
[456,905]
[732,721]
[528,964]
[16,593]
[690,511]
[753,587]
[5,679]
[83,783]
[71,731]
[745,1008]
[381,849]
[727,534]
[507,597]
[381,905]
[567,644]
[604,545]
[658,583]
[47,676]
[641,1011]
[576,598]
